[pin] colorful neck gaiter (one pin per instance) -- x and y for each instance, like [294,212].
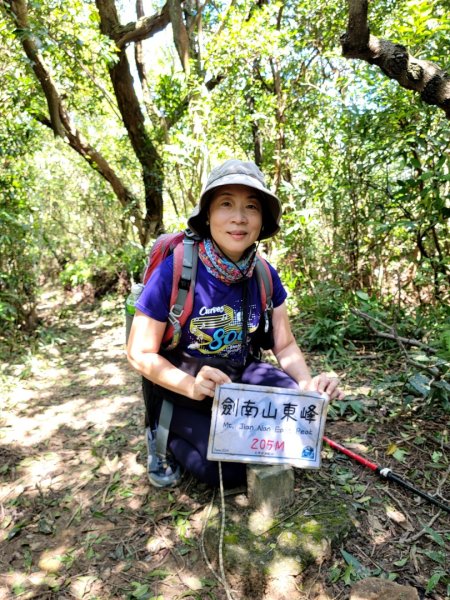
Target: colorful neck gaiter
[223,268]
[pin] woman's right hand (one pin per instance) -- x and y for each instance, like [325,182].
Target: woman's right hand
[324,384]
[205,382]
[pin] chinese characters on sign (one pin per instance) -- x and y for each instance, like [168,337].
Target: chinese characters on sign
[257,424]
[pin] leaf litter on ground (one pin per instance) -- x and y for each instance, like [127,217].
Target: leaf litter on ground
[78,516]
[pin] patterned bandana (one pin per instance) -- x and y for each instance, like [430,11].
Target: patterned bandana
[223,268]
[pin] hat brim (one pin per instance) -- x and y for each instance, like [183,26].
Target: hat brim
[270,204]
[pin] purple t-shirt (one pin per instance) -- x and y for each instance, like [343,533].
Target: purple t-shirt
[215,326]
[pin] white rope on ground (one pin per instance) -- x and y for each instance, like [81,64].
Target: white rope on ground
[222,531]
[202,542]
[220,578]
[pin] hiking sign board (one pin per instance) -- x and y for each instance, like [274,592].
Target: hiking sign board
[259,424]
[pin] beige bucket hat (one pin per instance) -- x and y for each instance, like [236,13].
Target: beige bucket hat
[244,173]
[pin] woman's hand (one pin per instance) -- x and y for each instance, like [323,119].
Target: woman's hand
[324,384]
[205,382]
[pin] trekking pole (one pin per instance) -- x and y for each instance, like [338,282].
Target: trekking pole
[386,473]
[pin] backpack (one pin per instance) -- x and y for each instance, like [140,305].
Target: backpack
[184,247]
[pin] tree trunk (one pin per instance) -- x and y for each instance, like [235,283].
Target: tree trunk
[128,103]
[256,130]
[180,34]
[280,118]
[282,170]
[422,76]
[60,121]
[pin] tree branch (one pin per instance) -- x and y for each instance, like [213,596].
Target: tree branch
[133,119]
[60,121]
[422,76]
[180,34]
[141,29]
[19,11]
[392,334]
[95,160]
[152,113]
[434,370]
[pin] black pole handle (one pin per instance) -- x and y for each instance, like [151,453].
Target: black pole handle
[388,474]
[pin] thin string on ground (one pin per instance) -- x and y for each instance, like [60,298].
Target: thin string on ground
[202,542]
[222,531]
[222,577]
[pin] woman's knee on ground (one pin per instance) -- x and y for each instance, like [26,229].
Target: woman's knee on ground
[206,471]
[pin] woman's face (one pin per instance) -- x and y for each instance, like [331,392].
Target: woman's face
[235,219]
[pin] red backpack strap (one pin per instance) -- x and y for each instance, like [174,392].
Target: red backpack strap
[163,246]
[185,257]
[266,289]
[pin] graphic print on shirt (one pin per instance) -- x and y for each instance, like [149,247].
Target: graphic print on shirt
[218,329]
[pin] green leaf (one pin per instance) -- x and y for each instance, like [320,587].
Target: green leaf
[436,456]
[16,529]
[159,573]
[335,574]
[353,562]
[442,385]
[348,575]
[419,384]
[365,499]
[140,591]
[356,406]
[45,526]
[362,295]
[437,537]
[438,557]
[400,455]
[402,562]
[434,580]
[18,589]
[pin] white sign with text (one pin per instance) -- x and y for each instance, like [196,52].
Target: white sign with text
[258,424]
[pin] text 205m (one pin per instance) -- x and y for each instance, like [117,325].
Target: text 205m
[262,444]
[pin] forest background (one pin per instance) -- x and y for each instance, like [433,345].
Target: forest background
[112,114]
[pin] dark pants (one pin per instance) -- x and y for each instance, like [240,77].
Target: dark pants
[189,430]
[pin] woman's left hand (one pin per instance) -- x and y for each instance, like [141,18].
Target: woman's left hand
[324,384]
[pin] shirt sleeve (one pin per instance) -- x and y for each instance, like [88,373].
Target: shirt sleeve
[155,298]
[279,291]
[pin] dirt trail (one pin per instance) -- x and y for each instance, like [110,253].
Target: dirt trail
[78,519]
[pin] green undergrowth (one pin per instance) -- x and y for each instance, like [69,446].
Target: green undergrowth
[401,356]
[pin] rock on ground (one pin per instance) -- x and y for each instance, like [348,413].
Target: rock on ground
[375,588]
